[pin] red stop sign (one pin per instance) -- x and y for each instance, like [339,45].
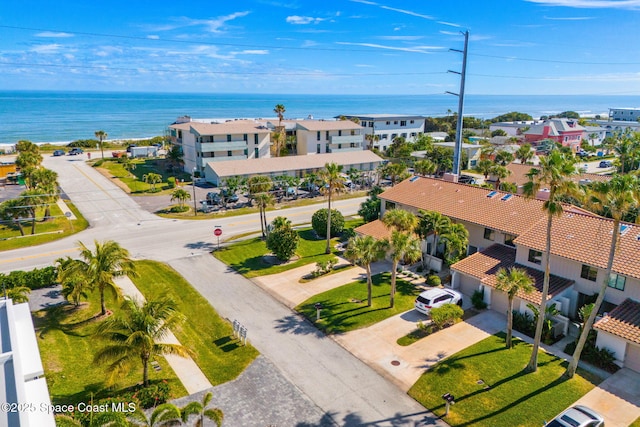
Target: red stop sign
[217,231]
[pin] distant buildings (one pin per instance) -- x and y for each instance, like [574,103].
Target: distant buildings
[624,114]
[566,132]
[387,127]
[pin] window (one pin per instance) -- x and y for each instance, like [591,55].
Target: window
[256,152]
[617,282]
[318,148]
[255,138]
[327,133]
[228,138]
[535,256]
[472,250]
[413,134]
[403,122]
[339,134]
[353,132]
[388,123]
[229,153]
[411,121]
[489,234]
[246,152]
[588,272]
[394,135]
[318,136]
[508,240]
[395,122]
[384,136]
[404,135]
[245,137]
[370,124]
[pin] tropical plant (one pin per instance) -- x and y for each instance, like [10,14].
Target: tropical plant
[455,240]
[363,251]
[280,133]
[432,223]
[403,247]
[175,156]
[513,281]
[499,172]
[134,335]
[282,239]
[128,164]
[16,211]
[152,179]
[201,411]
[73,284]
[32,200]
[166,414]
[554,173]
[425,167]
[524,153]
[263,201]
[618,196]
[396,172]
[98,268]
[181,195]
[445,315]
[46,182]
[258,184]
[504,157]
[484,167]
[371,140]
[333,184]
[400,220]
[101,135]
[18,294]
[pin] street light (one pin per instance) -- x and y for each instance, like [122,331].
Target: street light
[193,184]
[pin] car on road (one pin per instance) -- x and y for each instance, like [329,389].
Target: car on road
[605,164]
[57,153]
[577,416]
[75,151]
[437,297]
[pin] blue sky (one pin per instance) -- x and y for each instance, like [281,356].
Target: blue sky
[342,47]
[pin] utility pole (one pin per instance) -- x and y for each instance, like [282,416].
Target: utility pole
[457,151]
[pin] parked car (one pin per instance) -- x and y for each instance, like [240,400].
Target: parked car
[605,164]
[213,198]
[230,198]
[75,151]
[582,153]
[57,153]
[466,179]
[577,416]
[436,297]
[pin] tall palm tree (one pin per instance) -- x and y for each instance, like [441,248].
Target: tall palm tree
[181,195]
[617,196]
[259,184]
[512,281]
[280,110]
[433,222]
[504,157]
[333,184]
[73,284]
[166,414]
[363,251]
[455,239]
[371,138]
[100,267]
[625,148]
[500,172]
[200,409]
[15,210]
[263,201]
[32,200]
[403,246]
[484,167]
[554,173]
[101,135]
[46,181]
[133,335]
[152,179]
[400,220]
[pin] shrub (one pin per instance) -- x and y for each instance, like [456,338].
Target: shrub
[171,181]
[446,315]
[35,279]
[319,222]
[153,395]
[179,209]
[98,163]
[524,323]
[601,357]
[324,267]
[477,299]
[433,280]
[282,241]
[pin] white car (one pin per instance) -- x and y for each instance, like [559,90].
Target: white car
[577,416]
[436,297]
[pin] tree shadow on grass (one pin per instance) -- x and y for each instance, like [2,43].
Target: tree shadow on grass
[53,321]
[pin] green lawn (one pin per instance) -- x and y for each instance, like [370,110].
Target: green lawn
[46,231]
[506,396]
[210,337]
[345,308]
[134,179]
[247,257]
[636,423]
[67,346]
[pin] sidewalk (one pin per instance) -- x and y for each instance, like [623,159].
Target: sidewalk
[185,368]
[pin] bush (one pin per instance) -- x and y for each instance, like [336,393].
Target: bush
[324,267]
[319,222]
[524,323]
[171,181]
[601,357]
[282,241]
[179,209]
[477,299]
[433,280]
[35,279]
[446,315]
[153,395]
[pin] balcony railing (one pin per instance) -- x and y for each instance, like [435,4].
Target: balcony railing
[223,146]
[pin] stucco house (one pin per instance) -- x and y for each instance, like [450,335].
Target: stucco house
[564,131]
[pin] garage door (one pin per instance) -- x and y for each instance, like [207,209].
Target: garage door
[632,358]
[499,301]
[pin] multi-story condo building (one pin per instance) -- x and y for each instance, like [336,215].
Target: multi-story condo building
[624,114]
[388,127]
[328,136]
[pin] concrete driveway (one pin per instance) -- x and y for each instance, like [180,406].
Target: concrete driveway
[617,398]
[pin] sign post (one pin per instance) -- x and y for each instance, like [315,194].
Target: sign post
[218,232]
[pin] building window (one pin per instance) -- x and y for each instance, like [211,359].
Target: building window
[388,123]
[404,135]
[535,256]
[318,136]
[245,137]
[395,122]
[588,272]
[411,121]
[339,134]
[370,124]
[413,134]
[394,135]
[617,282]
[508,240]
[318,148]
[228,138]
[229,153]
[327,135]
[255,138]
[246,152]
[489,234]
[256,152]
[384,136]
[403,122]
[472,250]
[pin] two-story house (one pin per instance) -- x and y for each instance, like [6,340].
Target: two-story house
[389,126]
[564,131]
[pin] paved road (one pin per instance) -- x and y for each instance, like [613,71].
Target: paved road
[347,391]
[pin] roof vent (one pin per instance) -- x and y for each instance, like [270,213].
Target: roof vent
[415,178]
[506,197]
[624,228]
[492,194]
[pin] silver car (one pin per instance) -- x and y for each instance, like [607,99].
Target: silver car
[577,416]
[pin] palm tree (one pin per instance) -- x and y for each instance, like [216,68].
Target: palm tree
[279,110]
[503,157]
[400,220]
[554,173]
[32,200]
[73,284]
[200,409]
[166,414]
[259,184]
[333,183]
[134,335]
[500,172]
[484,167]
[618,196]
[425,167]
[455,239]
[152,179]
[404,246]
[101,135]
[513,281]
[128,164]
[100,267]
[524,153]
[181,195]
[46,181]
[263,201]
[433,222]
[15,210]
[371,138]
[396,172]
[18,294]
[363,251]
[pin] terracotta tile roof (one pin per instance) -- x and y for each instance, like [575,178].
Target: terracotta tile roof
[623,321]
[485,264]
[519,174]
[375,229]
[586,239]
[467,203]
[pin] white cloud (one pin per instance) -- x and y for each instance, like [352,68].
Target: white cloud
[417,49]
[408,38]
[46,48]
[153,37]
[576,18]
[215,25]
[450,24]
[303,20]
[407,12]
[52,34]
[591,4]
[251,52]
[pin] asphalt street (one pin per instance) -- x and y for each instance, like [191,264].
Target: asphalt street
[346,390]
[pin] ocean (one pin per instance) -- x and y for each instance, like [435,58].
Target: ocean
[49,116]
